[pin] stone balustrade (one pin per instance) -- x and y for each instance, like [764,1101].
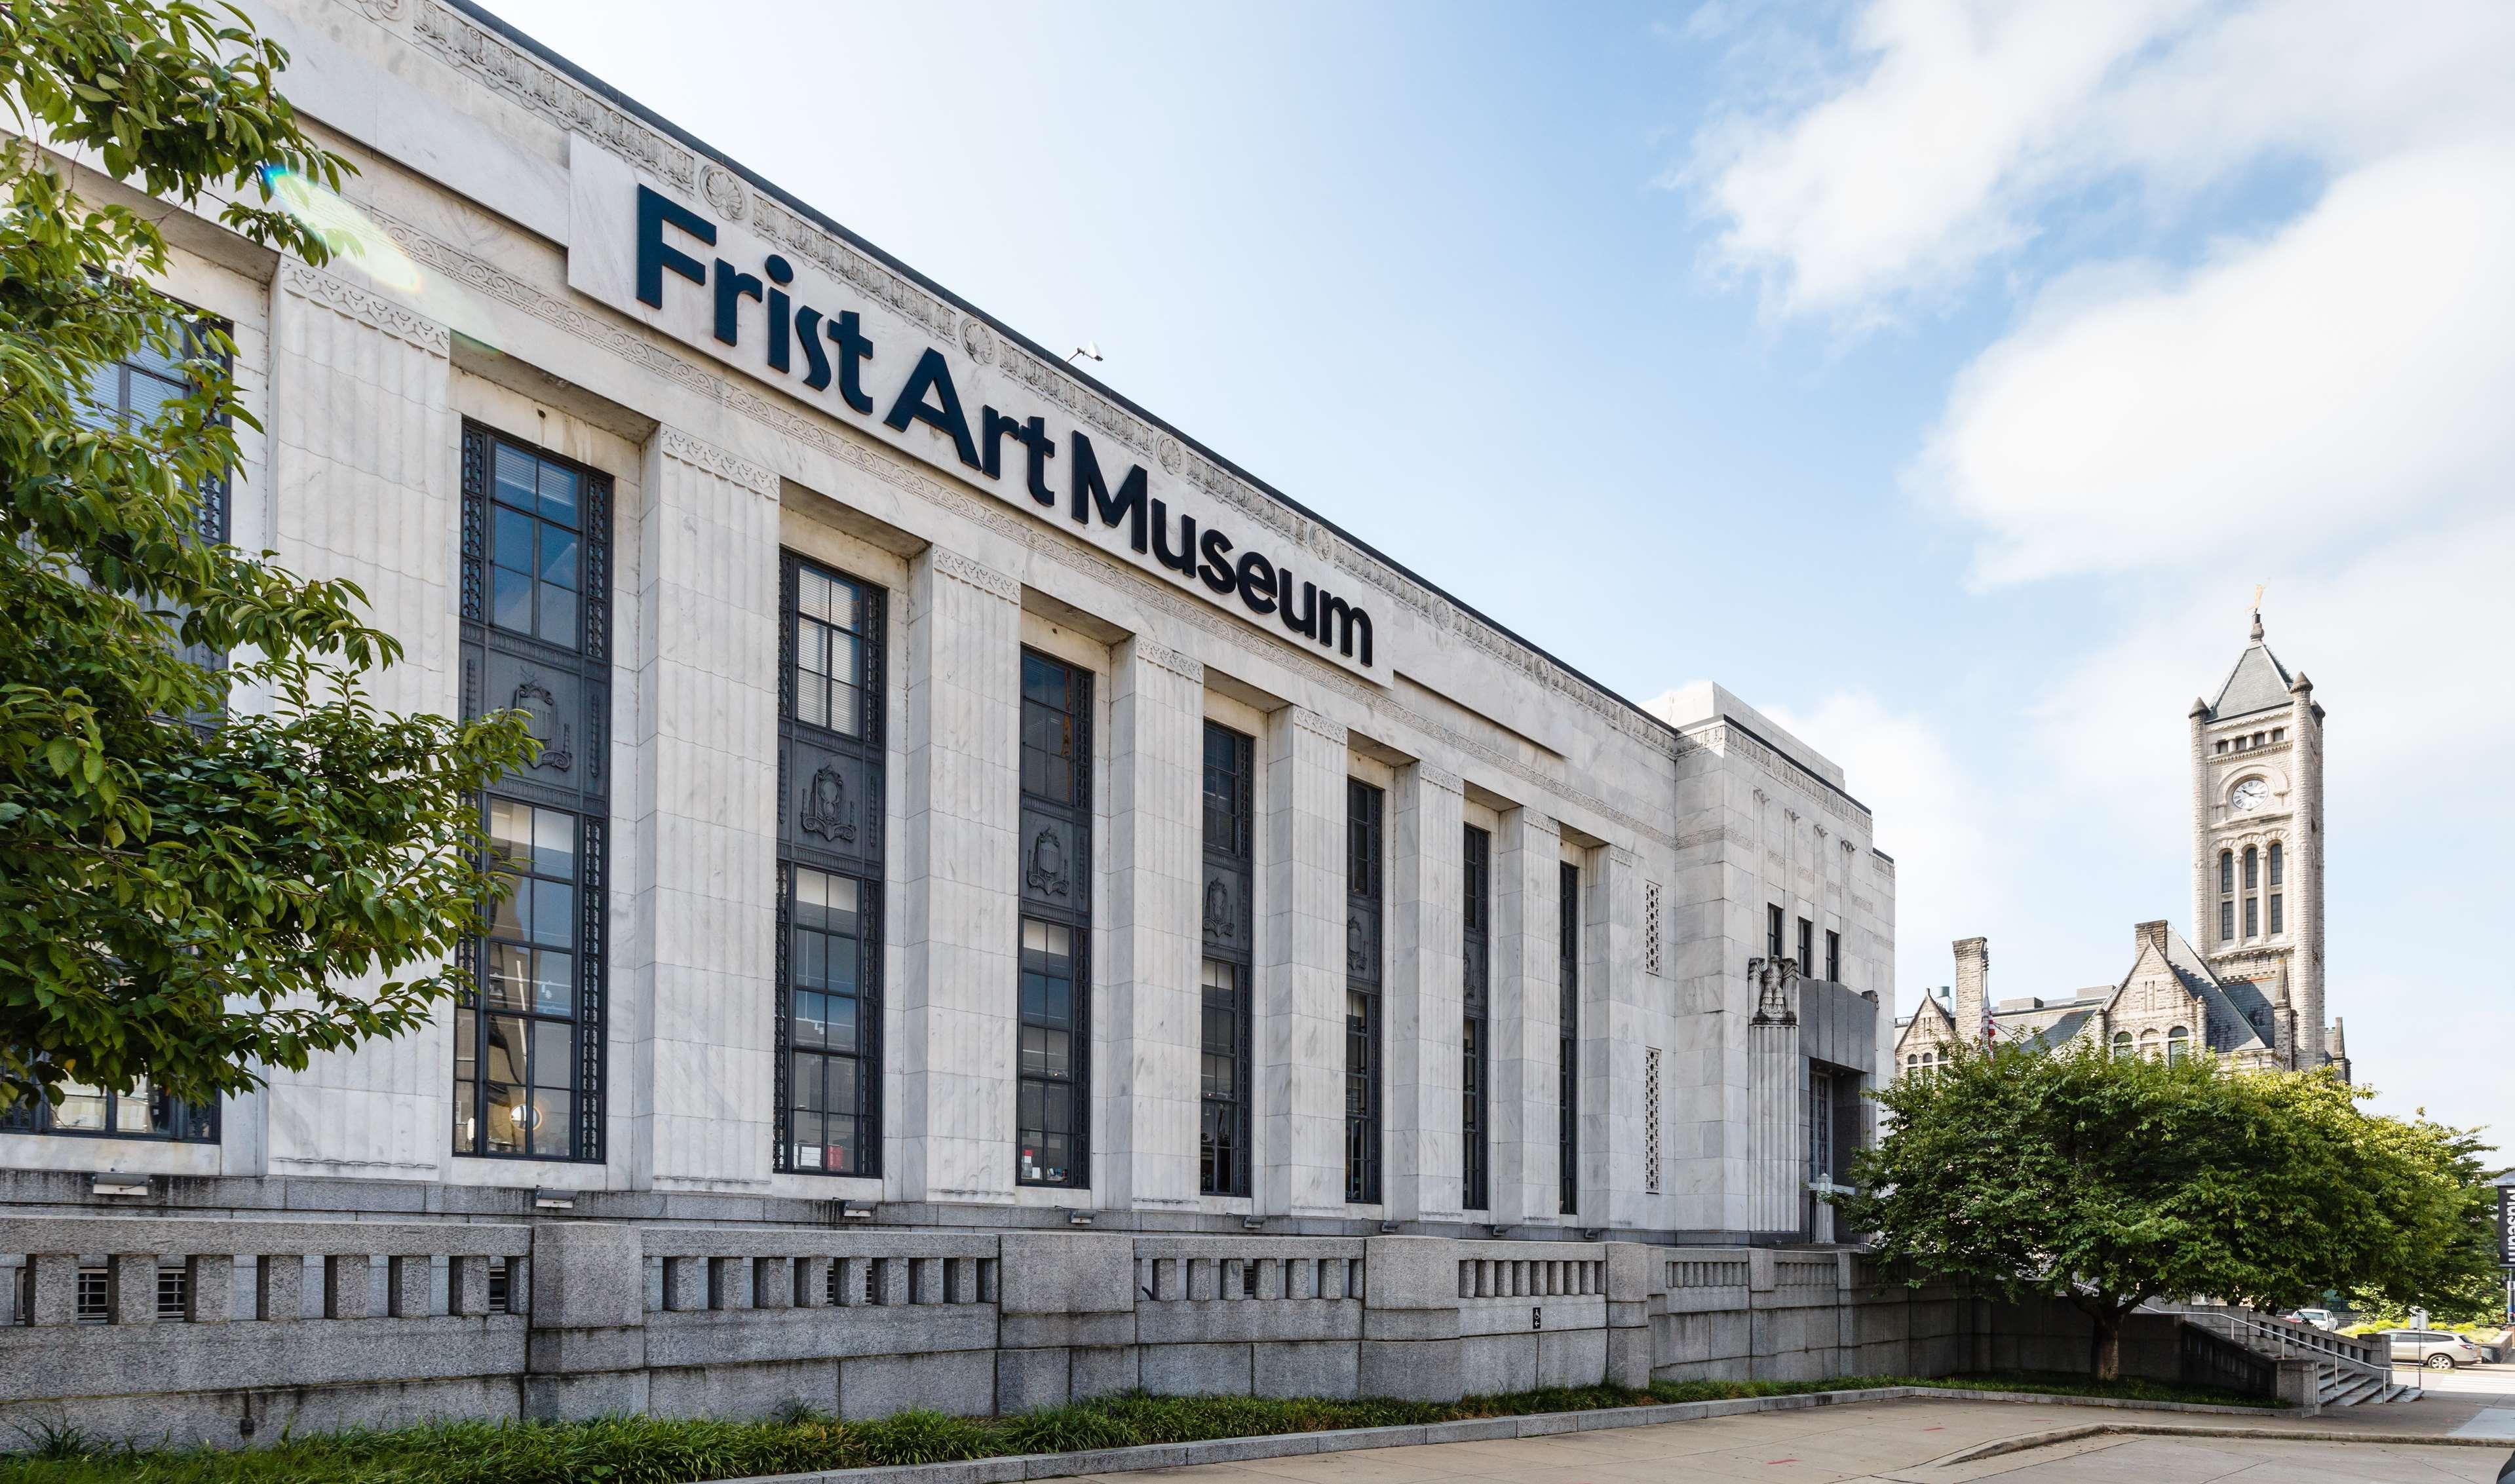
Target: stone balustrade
[227,1330]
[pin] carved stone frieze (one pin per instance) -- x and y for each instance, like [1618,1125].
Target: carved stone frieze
[536,86]
[1185,665]
[731,468]
[604,333]
[371,310]
[977,574]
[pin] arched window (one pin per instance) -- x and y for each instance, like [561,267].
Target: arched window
[2121,1045]
[2253,883]
[2226,872]
[2178,1044]
[2226,896]
[2278,878]
[2148,1044]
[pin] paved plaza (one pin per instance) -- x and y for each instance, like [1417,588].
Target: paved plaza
[1904,1442]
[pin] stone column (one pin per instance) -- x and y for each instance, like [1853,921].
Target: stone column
[1301,969]
[1422,1179]
[1619,1022]
[1146,1026]
[1776,1103]
[363,482]
[959,919]
[696,985]
[1527,1013]
[585,1353]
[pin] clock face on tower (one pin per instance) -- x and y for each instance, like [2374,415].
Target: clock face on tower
[2249,796]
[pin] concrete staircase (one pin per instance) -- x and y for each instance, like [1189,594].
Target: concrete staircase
[2349,1371]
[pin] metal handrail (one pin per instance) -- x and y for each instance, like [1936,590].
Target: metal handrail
[2283,1338]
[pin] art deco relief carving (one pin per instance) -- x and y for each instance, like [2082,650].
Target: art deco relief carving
[525,79]
[1047,872]
[1185,665]
[557,737]
[977,574]
[1219,922]
[1774,979]
[373,310]
[825,809]
[724,466]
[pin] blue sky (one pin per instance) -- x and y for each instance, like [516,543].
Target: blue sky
[1941,377]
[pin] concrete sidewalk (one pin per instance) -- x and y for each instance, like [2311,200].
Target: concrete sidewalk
[1907,1441]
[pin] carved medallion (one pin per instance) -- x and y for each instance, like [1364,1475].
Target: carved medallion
[1219,922]
[825,812]
[1047,864]
[557,737]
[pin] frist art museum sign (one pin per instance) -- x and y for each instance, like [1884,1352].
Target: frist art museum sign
[720,288]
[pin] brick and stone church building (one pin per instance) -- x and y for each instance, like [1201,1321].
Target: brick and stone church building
[2254,989]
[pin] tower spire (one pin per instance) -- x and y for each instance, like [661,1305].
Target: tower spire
[2257,610]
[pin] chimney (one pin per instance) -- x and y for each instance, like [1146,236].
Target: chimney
[1974,982]
[2148,935]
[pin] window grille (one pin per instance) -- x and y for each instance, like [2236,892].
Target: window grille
[1650,1120]
[1650,930]
[174,1293]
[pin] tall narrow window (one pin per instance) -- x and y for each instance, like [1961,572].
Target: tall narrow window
[2252,868]
[2226,896]
[525,1072]
[1773,933]
[2278,878]
[1362,999]
[830,870]
[1222,1135]
[1475,919]
[2253,883]
[1820,1121]
[1832,956]
[528,1033]
[1808,946]
[1052,1128]
[1566,1039]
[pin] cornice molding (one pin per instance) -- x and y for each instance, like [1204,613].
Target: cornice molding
[368,309]
[602,332]
[528,82]
[727,467]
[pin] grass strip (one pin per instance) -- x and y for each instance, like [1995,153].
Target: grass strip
[650,1450]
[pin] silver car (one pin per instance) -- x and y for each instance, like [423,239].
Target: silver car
[2433,1349]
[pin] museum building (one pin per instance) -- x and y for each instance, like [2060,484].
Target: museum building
[962,799]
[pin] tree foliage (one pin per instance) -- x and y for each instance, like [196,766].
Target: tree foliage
[2107,1181]
[188,889]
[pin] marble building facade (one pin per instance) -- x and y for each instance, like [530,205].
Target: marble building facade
[916,835]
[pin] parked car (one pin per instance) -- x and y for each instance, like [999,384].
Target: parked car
[2433,1349]
[2321,1319]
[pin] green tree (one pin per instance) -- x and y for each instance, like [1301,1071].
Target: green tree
[2108,1182]
[187,893]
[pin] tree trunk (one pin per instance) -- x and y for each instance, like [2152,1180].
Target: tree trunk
[2106,1345]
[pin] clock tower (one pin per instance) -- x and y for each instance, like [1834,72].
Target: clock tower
[2258,848]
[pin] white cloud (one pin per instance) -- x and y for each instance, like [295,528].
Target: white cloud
[1935,147]
[2350,371]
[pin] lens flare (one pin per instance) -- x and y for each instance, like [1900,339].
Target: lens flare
[352,234]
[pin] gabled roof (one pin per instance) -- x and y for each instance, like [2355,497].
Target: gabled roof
[2259,683]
